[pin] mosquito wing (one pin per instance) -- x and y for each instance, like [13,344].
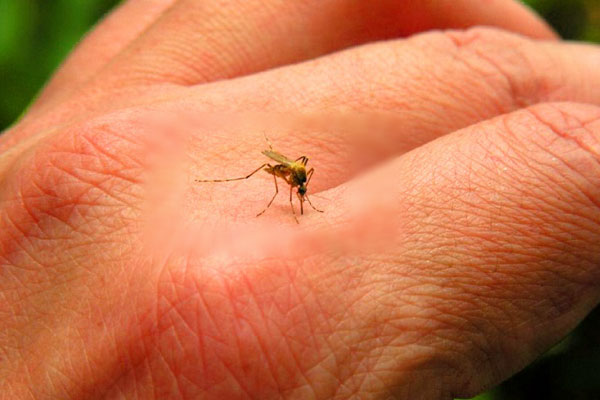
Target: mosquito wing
[278,157]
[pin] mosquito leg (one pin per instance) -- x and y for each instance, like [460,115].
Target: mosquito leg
[301,203]
[271,202]
[235,179]
[311,204]
[309,175]
[304,160]
[292,205]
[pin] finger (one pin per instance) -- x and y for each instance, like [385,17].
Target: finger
[110,37]
[200,42]
[513,16]
[431,84]
[194,43]
[489,237]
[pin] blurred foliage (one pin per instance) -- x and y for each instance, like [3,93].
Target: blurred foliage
[569,371]
[573,19]
[36,35]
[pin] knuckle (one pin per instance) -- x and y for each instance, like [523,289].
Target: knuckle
[481,37]
[511,69]
[74,184]
[560,144]
[507,61]
[79,175]
[570,140]
[557,148]
[569,131]
[97,156]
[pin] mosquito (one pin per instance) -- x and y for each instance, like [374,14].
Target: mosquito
[294,173]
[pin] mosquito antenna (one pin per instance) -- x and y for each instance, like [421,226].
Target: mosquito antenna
[268,142]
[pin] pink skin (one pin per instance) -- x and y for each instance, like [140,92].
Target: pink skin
[471,248]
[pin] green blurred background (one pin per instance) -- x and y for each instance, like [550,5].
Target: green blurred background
[36,35]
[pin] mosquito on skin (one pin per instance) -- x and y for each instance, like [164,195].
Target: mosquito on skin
[294,173]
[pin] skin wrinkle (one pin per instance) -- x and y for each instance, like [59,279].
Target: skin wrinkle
[297,360]
[214,32]
[458,91]
[52,214]
[92,186]
[206,310]
[272,365]
[356,318]
[569,185]
[431,325]
[480,354]
[237,325]
[329,328]
[17,244]
[571,181]
[76,176]
[368,358]
[116,171]
[522,228]
[177,372]
[144,360]
[63,217]
[223,362]
[353,360]
[478,40]
[129,359]
[512,253]
[171,368]
[56,235]
[568,133]
[325,338]
[545,197]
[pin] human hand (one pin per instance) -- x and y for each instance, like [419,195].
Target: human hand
[438,274]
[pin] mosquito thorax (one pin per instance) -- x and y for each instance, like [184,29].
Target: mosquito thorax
[299,176]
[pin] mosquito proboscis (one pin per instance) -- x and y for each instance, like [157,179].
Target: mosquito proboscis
[294,173]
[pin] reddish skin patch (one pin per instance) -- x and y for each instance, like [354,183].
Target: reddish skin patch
[222,336]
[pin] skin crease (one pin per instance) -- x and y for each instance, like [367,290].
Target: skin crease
[459,239]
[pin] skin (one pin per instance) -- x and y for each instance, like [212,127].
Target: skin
[453,250]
